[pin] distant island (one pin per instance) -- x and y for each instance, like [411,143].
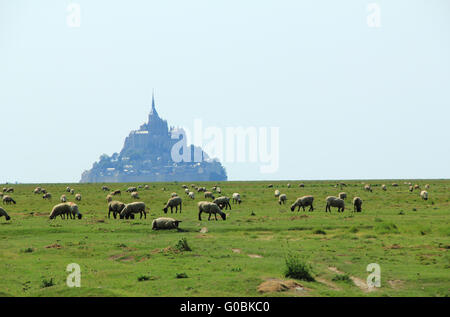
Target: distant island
[146,157]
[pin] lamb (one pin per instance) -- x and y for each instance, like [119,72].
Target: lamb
[357,203]
[8,200]
[43,191]
[173,202]
[115,207]
[210,208]
[209,195]
[383,187]
[270,186]
[131,189]
[222,201]
[303,202]
[63,198]
[47,196]
[367,187]
[78,197]
[282,199]
[109,198]
[424,195]
[333,201]
[66,210]
[277,193]
[133,208]
[219,190]
[4,213]
[191,195]
[135,195]
[236,198]
[165,223]
[342,195]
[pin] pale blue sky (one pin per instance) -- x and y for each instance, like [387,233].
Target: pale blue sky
[351,101]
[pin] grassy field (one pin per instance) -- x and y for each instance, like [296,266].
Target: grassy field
[408,237]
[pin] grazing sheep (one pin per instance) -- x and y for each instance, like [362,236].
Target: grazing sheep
[236,198]
[394,185]
[72,191]
[10,190]
[131,189]
[173,202]
[270,186]
[43,191]
[282,199]
[4,213]
[68,189]
[105,189]
[37,190]
[116,192]
[173,195]
[146,187]
[383,187]
[210,208]
[427,186]
[222,202]
[63,199]
[342,195]
[201,189]
[133,208]
[416,186]
[288,185]
[357,204]
[184,186]
[301,185]
[66,210]
[109,198]
[8,200]
[186,191]
[78,197]
[165,223]
[4,189]
[191,195]
[115,207]
[424,195]
[219,190]
[135,195]
[411,189]
[277,193]
[47,196]
[368,188]
[333,201]
[303,202]
[209,195]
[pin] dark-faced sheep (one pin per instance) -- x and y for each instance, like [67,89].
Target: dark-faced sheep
[78,197]
[47,196]
[4,213]
[424,195]
[342,195]
[116,192]
[66,210]
[8,200]
[211,209]
[105,189]
[191,195]
[63,199]
[133,208]
[357,204]
[223,202]
[173,202]
[236,198]
[131,189]
[333,201]
[135,195]
[115,207]
[303,202]
[163,223]
[282,199]
[368,188]
[209,195]
[277,193]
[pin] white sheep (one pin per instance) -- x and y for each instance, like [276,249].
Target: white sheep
[209,195]
[78,197]
[8,200]
[303,202]
[236,198]
[383,187]
[211,209]
[424,195]
[135,195]
[277,193]
[165,223]
[282,199]
[63,198]
[173,195]
[115,207]
[173,202]
[191,195]
[65,210]
[368,187]
[222,202]
[333,201]
[133,208]
[342,195]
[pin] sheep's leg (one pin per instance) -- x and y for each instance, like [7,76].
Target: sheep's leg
[311,208]
[180,208]
[199,216]
[209,218]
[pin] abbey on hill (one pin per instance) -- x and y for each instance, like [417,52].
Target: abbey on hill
[146,157]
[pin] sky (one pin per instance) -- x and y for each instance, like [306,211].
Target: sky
[352,100]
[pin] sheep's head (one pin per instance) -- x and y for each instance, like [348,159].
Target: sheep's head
[80,216]
[292,207]
[224,216]
[7,217]
[165,210]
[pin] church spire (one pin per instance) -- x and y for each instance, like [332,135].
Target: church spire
[153,110]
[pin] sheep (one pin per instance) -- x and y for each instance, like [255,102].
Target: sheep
[209,195]
[342,195]
[47,196]
[37,190]
[424,195]
[115,207]
[8,200]
[222,202]
[411,189]
[427,186]
[146,187]
[210,208]
[368,188]
[43,191]
[416,186]
[236,198]
[131,189]
[105,189]
[282,199]
[78,197]
[394,185]
[135,195]
[173,195]
[383,187]
[333,201]
[301,185]
[72,191]
[201,189]
[219,190]
[109,198]
[10,190]
[277,193]
[186,191]
[65,210]
[4,189]
[165,223]
[357,203]
[68,189]
[4,213]
[173,202]
[116,192]
[133,208]
[191,195]
[63,198]
[303,202]
[288,185]
[270,186]
[184,186]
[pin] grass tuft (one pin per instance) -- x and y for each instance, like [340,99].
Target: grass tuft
[297,268]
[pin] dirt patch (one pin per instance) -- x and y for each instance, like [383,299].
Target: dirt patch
[394,246]
[298,217]
[53,246]
[255,256]
[396,283]
[121,257]
[275,285]
[356,280]
[165,250]
[203,236]
[204,230]
[236,250]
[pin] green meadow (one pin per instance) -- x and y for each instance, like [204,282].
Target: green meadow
[409,239]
